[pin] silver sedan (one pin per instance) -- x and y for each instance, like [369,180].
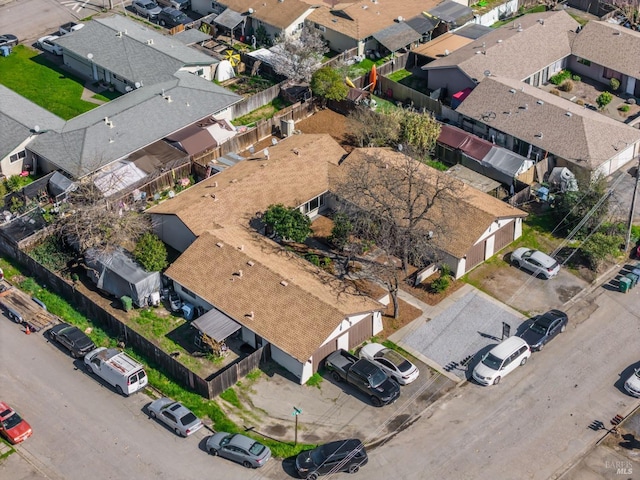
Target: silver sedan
[175,415]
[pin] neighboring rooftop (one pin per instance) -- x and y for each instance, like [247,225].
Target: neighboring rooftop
[610,45]
[442,46]
[548,121]
[515,50]
[280,14]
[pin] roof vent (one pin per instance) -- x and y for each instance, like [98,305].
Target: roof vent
[446,52]
[251,11]
[215,184]
[617,32]
[519,29]
[150,41]
[284,283]
[400,19]
[249,315]
[111,140]
[539,135]
[499,41]
[239,273]
[364,7]
[569,114]
[540,102]
[219,244]
[541,21]
[512,90]
[109,124]
[251,263]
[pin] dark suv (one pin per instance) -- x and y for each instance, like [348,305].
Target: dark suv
[72,338]
[339,456]
[170,17]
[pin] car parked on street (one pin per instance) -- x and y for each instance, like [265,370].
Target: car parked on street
[147,9]
[178,417]
[170,17]
[395,365]
[538,263]
[8,40]
[177,4]
[339,456]
[240,449]
[12,426]
[72,338]
[47,43]
[501,360]
[632,385]
[544,328]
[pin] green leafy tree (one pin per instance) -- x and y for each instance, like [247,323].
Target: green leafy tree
[604,99]
[599,247]
[589,204]
[342,229]
[328,83]
[288,223]
[151,253]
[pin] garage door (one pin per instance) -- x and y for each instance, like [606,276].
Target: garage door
[504,236]
[475,255]
[323,352]
[361,331]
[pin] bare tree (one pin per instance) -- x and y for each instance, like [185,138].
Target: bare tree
[372,129]
[399,205]
[298,57]
[629,8]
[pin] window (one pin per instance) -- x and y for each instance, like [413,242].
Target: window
[199,72]
[319,27]
[584,61]
[18,156]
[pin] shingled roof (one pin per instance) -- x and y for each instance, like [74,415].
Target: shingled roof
[548,121]
[610,45]
[279,14]
[515,50]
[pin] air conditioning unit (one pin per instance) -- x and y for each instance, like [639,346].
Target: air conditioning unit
[287,127]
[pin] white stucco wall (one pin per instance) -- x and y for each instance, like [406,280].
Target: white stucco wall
[494,227]
[291,364]
[207,71]
[495,14]
[9,168]
[171,230]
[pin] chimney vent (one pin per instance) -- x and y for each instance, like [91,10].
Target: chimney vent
[219,244]
[251,263]
[250,315]
[284,283]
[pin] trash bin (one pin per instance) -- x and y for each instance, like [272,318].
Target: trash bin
[636,271]
[633,278]
[625,284]
[5,50]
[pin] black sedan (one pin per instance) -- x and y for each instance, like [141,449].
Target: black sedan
[170,17]
[8,40]
[73,339]
[544,328]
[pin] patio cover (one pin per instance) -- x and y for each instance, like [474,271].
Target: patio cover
[499,164]
[452,13]
[216,325]
[473,146]
[59,184]
[397,36]
[422,24]
[473,31]
[473,178]
[229,19]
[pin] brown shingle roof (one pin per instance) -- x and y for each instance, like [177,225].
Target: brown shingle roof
[298,317]
[610,45]
[512,53]
[585,137]
[272,12]
[362,19]
[459,218]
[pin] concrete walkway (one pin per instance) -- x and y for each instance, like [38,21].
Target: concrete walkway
[90,90]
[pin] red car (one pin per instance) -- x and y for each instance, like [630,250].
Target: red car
[12,426]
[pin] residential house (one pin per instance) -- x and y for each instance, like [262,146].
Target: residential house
[227,265]
[530,49]
[603,50]
[20,121]
[466,226]
[537,125]
[243,18]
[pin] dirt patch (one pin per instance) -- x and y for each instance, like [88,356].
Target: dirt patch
[327,121]
[423,293]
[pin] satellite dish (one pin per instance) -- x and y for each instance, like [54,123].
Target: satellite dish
[400,19]
[251,11]
[487,73]
[36,128]
[89,56]
[137,84]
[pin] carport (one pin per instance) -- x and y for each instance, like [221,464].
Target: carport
[229,20]
[216,325]
[397,36]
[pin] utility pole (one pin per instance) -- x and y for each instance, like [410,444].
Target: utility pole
[633,207]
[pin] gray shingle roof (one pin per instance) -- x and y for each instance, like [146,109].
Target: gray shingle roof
[131,50]
[584,137]
[610,45]
[397,36]
[452,12]
[139,118]
[512,53]
[18,117]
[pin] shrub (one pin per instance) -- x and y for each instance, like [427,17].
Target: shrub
[614,83]
[599,247]
[313,258]
[580,102]
[341,230]
[560,77]
[151,253]
[567,85]
[440,284]
[554,91]
[624,108]
[576,78]
[604,99]
[127,303]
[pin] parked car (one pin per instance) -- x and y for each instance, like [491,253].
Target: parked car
[177,4]
[170,17]
[182,420]
[147,9]
[338,456]
[8,40]
[241,449]
[544,328]
[501,360]
[536,262]
[395,365]
[12,426]
[72,338]
[632,385]
[47,43]
[70,27]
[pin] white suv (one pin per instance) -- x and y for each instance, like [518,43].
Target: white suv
[501,360]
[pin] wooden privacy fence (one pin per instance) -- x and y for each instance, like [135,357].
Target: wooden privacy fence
[236,371]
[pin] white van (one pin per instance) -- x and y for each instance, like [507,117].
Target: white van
[501,360]
[118,369]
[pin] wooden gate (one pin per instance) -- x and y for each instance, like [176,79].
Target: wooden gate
[322,353]
[361,331]
[504,236]
[475,255]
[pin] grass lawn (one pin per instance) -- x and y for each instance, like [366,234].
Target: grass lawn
[31,74]
[264,112]
[538,9]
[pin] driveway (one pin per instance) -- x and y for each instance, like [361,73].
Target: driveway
[524,292]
